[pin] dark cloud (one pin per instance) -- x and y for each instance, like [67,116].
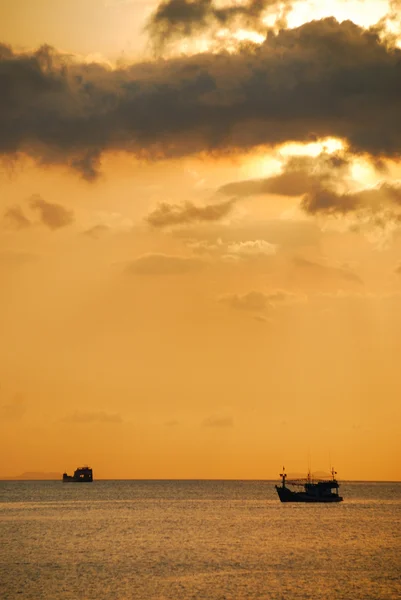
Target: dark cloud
[318,180]
[174,19]
[374,200]
[321,79]
[88,163]
[300,175]
[285,184]
[16,218]
[93,417]
[163,264]
[174,214]
[330,202]
[52,215]
[325,271]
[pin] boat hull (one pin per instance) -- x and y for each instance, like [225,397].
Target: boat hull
[287,495]
[71,479]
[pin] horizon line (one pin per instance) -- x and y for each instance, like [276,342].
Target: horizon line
[18,479]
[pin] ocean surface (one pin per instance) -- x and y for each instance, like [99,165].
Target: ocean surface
[182,540]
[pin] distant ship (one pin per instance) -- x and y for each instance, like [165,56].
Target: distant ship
[318,490]
[81,475]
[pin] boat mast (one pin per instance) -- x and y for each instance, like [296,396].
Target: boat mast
[334,473]
[283,476]
[309,475]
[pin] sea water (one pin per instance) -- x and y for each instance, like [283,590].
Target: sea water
[181,540]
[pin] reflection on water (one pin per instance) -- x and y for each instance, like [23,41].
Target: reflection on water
[197,539]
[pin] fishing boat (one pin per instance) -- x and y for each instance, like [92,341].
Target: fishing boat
[81,475]
[309,489]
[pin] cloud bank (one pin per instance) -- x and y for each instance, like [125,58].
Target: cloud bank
[323,79]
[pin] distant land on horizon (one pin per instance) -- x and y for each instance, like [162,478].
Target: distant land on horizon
[32,475]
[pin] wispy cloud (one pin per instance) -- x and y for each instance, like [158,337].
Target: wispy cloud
[163,264]
[174,214]
[251,301]
[13,258]
[218,421]
[251,248]
[93,417]
[259,302]
[96,232]
[15,217]
[13,410]
[327,270]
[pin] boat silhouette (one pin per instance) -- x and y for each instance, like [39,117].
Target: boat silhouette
[309,489]
[81,475]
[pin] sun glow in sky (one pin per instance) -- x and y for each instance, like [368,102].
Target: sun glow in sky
[362,12]
[328,145]
[199,251]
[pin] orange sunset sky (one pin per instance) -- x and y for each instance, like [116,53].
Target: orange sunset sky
[200,237]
